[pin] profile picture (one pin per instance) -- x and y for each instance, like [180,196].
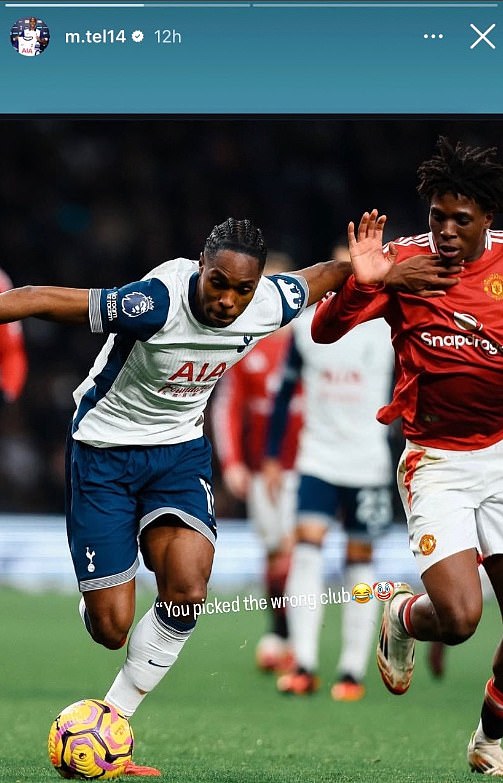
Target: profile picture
[29,36]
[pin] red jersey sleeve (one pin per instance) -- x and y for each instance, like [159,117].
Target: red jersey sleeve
[339,313]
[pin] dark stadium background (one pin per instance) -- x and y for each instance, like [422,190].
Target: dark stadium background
[97,203]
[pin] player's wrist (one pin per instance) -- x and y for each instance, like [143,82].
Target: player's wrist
[343,269]
[369,288]
[393,277]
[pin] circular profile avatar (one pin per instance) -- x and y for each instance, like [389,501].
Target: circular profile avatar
[29,36]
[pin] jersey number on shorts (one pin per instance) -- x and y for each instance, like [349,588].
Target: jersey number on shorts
[373,508]
[209,497]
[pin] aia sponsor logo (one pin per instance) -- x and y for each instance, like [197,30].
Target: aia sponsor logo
[191,378]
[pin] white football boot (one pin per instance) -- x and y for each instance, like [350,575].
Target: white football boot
[395,649]
[485,757]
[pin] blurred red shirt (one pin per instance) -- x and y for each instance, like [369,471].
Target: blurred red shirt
[243,403]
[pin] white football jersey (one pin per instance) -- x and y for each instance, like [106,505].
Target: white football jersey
[152,379]
[27,43]
[344,384]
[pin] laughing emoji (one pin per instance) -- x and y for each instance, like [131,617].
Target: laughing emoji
[362,593]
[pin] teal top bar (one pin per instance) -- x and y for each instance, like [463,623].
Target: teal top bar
[254,58]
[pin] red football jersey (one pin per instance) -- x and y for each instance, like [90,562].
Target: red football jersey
[13,362]
[243,404]
[448,350]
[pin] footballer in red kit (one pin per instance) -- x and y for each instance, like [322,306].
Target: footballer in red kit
[437,341]
[449,393]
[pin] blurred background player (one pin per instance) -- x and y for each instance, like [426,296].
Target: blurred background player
[344,467]
[241,411]
[13,361]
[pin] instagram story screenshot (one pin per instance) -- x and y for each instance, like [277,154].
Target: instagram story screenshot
[251,331]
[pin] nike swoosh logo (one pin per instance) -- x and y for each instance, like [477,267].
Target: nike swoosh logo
[160,665]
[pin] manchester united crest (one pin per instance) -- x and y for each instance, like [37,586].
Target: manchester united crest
[427,544]
[493,286]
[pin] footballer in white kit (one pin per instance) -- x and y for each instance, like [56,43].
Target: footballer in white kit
[342,443]
[148,388]
[344,466]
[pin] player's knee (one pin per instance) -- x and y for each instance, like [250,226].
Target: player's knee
[311,537]
[110,632]
[310,531]
[459,626]
[187,594]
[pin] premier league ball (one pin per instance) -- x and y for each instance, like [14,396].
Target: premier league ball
[90,740]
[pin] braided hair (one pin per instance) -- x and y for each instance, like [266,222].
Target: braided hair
[239,235]
[472,172]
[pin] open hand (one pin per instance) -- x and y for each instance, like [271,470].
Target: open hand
[369,263]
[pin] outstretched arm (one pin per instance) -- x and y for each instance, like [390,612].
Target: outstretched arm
[53,303]
[324,277]
[425,276]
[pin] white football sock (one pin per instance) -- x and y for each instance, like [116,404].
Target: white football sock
[84,616]
[358,624]
[305,612]
[152,650]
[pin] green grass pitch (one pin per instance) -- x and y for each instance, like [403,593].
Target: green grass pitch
[215,719]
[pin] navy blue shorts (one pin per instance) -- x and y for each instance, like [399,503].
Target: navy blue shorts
[364,511]
[114,493]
